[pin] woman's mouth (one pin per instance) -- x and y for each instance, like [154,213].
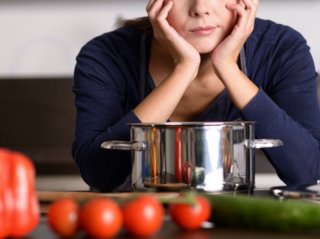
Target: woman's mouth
[203,31]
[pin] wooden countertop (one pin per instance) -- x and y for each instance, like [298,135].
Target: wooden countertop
[50,196]
[169,230]
[47,197]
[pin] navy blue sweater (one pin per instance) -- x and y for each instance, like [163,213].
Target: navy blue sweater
[107,88]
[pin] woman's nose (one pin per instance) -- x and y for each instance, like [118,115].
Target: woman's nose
[200,8]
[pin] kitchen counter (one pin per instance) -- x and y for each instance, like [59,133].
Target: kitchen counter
[73,185]
[169,230]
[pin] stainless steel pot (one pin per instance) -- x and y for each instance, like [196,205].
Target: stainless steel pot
[209,156]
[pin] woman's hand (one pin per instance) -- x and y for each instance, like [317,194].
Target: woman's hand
[227,52]
[225,56]
[159,105]
[180,50]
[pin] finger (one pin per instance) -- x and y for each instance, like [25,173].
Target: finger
[239,8]
[246,11]
[250,5]
[149,5]
[155,8]
[163,14]
[241,3]
[240,29]
[255,2]
[251,8]
[161,19]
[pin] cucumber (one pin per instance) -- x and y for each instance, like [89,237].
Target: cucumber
[264,213]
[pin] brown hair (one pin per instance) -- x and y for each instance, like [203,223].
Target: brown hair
[142,23]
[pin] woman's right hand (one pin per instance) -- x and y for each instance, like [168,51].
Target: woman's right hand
[180,50]
[160,104]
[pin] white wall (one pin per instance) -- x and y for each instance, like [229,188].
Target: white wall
[42,38]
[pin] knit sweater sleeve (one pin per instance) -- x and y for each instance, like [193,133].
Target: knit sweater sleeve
[104,87]
[287,109]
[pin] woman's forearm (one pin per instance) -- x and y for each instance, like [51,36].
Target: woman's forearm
[297,161]
[161,102]
[239,87]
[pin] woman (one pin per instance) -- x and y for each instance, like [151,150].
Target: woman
[197,60]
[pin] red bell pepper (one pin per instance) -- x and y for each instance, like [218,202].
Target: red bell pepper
[19,206]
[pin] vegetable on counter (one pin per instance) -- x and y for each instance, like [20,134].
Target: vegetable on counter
[264,213]
[101,218]
[190,216]
[140,215]
[62,217]
[143,216]
[19,207]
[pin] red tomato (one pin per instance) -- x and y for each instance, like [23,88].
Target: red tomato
[143,216]
[101,218]
[190,217]
[62,217]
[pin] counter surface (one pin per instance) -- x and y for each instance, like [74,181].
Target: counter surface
[169,230]
[51,188]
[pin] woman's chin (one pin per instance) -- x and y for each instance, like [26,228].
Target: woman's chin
[204,47]
[205,50]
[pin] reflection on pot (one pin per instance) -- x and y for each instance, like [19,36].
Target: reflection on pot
[204,156]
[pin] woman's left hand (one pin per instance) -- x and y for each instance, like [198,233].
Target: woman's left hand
[228,50]
[225,56]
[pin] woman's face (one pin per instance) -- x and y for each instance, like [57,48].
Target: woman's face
[203,23]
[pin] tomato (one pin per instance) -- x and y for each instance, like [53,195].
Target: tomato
[190,217]
[143,216]
[101,218]
[62,217]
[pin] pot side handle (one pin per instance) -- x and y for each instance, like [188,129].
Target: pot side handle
[262,143]
[124,145]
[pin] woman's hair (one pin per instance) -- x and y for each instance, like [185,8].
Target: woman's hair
[142,23]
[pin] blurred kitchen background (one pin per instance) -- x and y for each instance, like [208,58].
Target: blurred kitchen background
[38,45]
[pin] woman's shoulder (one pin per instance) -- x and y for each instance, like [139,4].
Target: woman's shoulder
[121,40]
[274,40]
[274,48]
[273,32]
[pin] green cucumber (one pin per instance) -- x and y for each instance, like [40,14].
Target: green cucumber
[264,213]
